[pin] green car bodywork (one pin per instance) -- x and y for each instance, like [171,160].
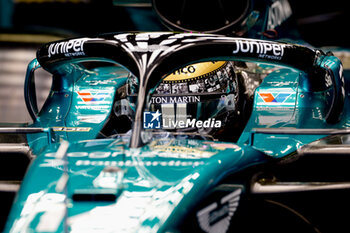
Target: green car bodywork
[79,182]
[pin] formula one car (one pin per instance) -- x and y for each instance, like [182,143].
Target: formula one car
[184,132]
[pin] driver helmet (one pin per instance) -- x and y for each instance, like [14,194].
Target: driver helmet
[200,98]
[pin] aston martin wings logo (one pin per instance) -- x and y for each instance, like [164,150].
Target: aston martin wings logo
[216,217]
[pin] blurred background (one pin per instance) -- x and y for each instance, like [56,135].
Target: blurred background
[26,24]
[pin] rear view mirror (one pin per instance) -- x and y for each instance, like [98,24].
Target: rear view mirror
[32,101]
[29,89]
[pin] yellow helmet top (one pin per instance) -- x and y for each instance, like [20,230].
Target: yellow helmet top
[194,71]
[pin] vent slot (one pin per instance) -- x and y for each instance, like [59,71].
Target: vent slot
[94,197]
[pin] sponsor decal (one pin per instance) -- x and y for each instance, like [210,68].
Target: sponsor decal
[153,120]
[176,152]
[185,70]
[174,99]
[91,155]
[69,48]
[263,49]
[195,71]
[93,107]
[116,158]
[279,11]
[182,152]
[217,216]
[98,159]
[94,99]
[284,98]
[71,129]
[90,96]
[129,163]
[277,98]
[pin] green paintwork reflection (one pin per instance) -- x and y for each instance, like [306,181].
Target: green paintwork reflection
[152,186]
[156,182]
